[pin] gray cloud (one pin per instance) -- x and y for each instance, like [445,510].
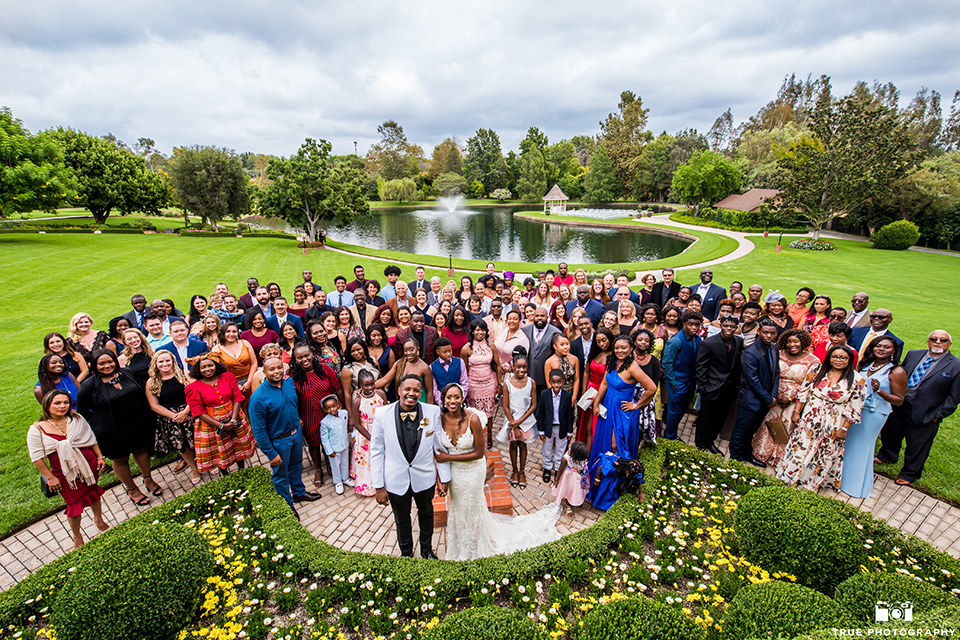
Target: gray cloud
[254,76]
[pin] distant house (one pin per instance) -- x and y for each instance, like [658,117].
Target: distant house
[749,201]
[555,201]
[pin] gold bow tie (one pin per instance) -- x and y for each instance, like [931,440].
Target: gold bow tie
[408,415]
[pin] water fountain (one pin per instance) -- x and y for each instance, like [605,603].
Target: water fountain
[450,203]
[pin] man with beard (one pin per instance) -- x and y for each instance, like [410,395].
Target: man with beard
[710,294]
[591,307]
[539,335]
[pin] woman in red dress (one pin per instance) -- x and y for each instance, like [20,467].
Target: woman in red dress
[597,369]
[221,433]
[314,382]
[66,439]
[457,330]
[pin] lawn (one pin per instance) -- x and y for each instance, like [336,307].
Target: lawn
[911,284]
[66,217]
[97,274]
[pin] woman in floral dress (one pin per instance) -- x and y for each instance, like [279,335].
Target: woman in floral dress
[796,363]
[828,404]
[365,403]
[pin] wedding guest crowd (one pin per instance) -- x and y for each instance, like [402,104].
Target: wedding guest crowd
[806,387]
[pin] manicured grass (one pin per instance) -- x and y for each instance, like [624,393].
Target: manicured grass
[708,246]
[915,286]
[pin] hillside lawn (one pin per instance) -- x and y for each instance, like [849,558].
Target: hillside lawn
[52,276]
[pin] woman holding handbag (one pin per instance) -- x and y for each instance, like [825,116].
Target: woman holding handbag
[67,440]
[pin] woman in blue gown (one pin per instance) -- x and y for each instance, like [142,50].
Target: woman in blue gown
[617,435]
[887,386]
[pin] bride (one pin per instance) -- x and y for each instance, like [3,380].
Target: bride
[472,530]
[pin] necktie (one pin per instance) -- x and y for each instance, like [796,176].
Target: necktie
[870,336]
[408,415]
[919,372]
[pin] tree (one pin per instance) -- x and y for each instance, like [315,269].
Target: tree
[584,147]
[485,159]
[533,175]
[924,119]
[601,183]
[447,158]
[707,178]
[476,189]
[501,195]
[856,152]
[393,157]
[561,159]
[109,176]
[308,188]
[450,184]
[33,175]
[655,169]
[756,154]
[210,182]
[623,135]
[535,139]
[721,133]
[400,189]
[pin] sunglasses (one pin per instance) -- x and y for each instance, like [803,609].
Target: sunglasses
[880,317]
[940,340]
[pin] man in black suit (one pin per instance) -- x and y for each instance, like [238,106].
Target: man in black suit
[758,391]
[621,295]
[539,334]
[666,289]
[933,390]
[581,345]
[261,303]
[718,379]
[247,299]
[319,306]
[136,315]
[420,283]
[880,320]
[710,294]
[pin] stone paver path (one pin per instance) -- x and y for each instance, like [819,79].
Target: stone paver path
[355,523]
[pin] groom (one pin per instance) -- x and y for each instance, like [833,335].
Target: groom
[403,438]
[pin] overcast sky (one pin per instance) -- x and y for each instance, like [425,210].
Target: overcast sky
[262,76]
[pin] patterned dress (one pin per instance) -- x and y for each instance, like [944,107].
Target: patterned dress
[310,395]
[216,400]
[482,392]
[569,372]
[361,472]
[792,375]
[812,458]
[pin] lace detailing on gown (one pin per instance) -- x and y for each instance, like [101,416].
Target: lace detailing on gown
[472,531]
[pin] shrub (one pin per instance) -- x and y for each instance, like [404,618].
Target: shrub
[500,195]
[486,623]
[813,245]
[638,619]
[144,584]
[780,608]
[897,236]
[859,594]
[792,531]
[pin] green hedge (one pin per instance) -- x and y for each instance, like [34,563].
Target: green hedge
[208,234]
[150,580]
[775,609]
[268,234]
[486,623]
[714,224]
[792,531]
[637,619]
[896,236]
[859,594]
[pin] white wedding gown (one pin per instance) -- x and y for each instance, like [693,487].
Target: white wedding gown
[472,530]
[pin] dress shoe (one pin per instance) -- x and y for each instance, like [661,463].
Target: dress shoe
[295,514]
[757,463]
[429,555]
[338,488]
[546,475]
[307,497]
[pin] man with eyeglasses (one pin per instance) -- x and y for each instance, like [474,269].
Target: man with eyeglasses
[859,315]
[933,390]
[879,322]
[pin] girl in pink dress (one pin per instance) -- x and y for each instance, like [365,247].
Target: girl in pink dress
[365,403]
[572,482]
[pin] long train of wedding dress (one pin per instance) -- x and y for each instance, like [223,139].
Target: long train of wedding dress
[472,530]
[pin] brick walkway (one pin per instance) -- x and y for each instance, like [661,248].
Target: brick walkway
[354,523]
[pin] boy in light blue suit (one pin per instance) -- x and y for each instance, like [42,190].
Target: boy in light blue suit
[336,442]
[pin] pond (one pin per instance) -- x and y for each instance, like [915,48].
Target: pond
[492,233]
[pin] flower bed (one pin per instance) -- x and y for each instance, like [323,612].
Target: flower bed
[813,245]
[678,548]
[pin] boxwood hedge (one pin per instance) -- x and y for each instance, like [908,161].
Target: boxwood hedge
[859,594]
[774,609]
[638,619]
[486,623]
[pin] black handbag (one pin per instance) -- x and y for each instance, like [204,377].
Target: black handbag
[46,490]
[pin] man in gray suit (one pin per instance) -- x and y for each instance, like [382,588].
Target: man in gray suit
[540,335]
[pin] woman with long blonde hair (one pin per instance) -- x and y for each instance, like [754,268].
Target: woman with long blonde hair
[136,355]
[82,337]
[167,398]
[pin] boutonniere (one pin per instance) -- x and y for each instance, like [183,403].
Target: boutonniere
[424,423]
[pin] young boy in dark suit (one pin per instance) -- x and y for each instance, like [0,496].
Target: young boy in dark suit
[554,422]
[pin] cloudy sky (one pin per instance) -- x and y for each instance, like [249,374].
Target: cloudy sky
[262,76]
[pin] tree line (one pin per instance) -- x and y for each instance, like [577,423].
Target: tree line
[861,156]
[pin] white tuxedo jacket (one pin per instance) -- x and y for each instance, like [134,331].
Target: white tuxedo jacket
[389,465]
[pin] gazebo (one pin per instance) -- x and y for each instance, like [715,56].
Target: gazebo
[555,201]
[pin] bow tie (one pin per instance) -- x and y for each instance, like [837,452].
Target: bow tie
[408,415]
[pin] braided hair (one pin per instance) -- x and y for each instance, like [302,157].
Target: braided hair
[612,358]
